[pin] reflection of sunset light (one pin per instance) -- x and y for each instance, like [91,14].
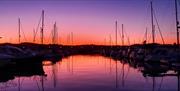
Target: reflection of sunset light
[90,73]
[46,62]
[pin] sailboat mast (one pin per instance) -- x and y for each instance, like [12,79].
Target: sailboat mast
[122,34]
[42,36]
[116,32]
[152,21]
[42,28]
[19,30]
[53,33]
[177,23]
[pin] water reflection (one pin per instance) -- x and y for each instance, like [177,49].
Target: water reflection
[90,73]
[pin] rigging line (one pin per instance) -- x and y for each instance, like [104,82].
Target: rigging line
[158,27]
[144,37]
[112,41]
[127,72]
[127,37]
[37,28]
[37,83]
[178,2]
[159,89]
[23,32]
[22,81]
[49,38]
[120,72]
[112,32]
[119,33]
[149,38]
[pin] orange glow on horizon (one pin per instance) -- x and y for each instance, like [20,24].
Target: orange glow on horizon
[86,41]
[80,38]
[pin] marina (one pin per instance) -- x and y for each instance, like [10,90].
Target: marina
[69,50]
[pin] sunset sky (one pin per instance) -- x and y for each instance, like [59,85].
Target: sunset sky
[91,21]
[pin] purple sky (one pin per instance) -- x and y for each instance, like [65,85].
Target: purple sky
[91,21]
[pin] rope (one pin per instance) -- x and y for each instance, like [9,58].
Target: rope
[178,2]
[127,72]
[145,38]
[120,34]
[159,89]
[37,83]
[36,31]
[21,82]
[127,37]
[149,38]
[158,27]
[23,32]
[49,38]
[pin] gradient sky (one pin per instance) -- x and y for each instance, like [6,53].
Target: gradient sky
[91,21]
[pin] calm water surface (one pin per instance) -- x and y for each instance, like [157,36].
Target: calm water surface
[90,73]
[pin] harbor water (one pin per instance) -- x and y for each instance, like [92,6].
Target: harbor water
[92,73]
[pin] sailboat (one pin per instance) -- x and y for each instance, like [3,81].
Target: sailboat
[157,53]
[19,54]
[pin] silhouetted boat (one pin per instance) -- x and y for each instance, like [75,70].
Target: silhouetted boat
[21,70]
